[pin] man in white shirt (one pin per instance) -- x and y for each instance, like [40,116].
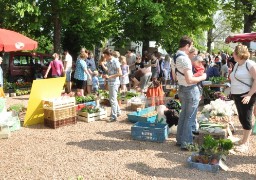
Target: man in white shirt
[68,69]
[188,93]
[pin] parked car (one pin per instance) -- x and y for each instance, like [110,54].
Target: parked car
[21,66]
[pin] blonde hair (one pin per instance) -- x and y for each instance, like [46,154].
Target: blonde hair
[122,59]
[116,54]
[95,73]
[55,55]
[242,52]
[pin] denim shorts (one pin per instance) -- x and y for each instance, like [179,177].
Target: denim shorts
[68,76]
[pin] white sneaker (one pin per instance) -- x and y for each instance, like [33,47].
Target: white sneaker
[242,148]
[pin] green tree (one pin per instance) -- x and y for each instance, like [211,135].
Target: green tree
[164,21]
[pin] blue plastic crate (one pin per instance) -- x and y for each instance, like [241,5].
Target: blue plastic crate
[137,116]
[149,131]
[91,103]
[202,167]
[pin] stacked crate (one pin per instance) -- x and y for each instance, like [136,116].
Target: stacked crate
[59,112]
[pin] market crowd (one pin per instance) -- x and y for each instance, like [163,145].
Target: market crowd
[188,67]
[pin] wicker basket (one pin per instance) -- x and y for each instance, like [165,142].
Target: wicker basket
[60,113]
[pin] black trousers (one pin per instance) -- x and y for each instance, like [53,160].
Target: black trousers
[244,110]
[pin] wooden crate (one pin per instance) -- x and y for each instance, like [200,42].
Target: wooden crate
[60,113]
[59,102]
[84,116]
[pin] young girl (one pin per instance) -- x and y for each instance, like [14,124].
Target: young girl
[124,79]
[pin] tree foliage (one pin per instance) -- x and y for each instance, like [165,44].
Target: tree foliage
[241,14]
[70,24]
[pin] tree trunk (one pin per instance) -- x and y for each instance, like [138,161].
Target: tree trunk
[248,25]
[209,41]
[57,27]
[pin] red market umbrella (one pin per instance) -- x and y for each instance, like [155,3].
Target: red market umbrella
[245,37]
[13,41]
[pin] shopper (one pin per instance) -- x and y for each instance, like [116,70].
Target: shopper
[56,66]
[113,73]
[124,79]
[81,73]
[68,69]
[188,93]
[243,88]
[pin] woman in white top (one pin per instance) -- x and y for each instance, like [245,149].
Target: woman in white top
[243,88]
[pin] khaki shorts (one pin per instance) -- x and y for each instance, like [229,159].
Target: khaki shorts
[89,82]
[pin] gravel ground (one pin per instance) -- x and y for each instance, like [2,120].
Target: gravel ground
[102,150]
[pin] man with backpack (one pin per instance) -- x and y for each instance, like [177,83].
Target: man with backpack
[188,93]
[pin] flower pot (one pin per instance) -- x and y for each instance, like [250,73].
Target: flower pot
[7,94]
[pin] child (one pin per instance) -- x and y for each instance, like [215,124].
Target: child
[198,67]
[138,64]
[124,79]
[95,82]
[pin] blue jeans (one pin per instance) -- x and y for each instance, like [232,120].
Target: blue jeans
[115,109]
[189,97]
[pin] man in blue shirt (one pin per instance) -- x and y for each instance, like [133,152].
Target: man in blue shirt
[113,73]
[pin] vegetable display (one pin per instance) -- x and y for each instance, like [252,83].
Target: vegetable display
[218,80]
[90,109]
[83,99]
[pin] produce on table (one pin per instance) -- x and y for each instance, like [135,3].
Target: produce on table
[218,80]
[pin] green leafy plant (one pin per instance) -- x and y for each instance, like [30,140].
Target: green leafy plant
[218,147]
[17,108]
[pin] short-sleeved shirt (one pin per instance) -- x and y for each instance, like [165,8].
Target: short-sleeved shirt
[91,64]
[95,82]
[79,72]
[243,74]
[68,60]
[182,62]
[112,66]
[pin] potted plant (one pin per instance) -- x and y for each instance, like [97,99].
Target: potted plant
[212,150]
